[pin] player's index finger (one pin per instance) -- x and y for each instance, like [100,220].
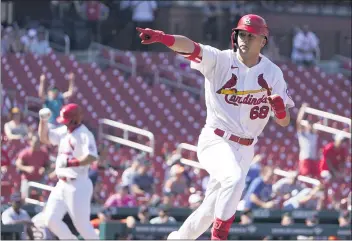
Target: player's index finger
[141,30]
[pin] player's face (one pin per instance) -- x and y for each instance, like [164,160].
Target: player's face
[249,43]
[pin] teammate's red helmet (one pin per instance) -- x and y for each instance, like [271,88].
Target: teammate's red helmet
[70,113]
[251,23]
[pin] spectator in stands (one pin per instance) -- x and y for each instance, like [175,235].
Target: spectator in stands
[41,46]
[121,198]
[285,187]
[54,99]
[344,219]
[144,218]
[212,12]
[98,167]
[177,183]
[143,16]
[93,12]
[142,182]
[305,47]
[167,200]
[5,40]
[129,173]
[246,217]
[143,215]
[98,196]
[163,217]
[310,198]
[310,222]
[15,129]
[33,162]
[29,39]
[11,41]
[345,222]
[254,170]
[333,156]
[287,219]
[260,191]
[308,146]
[16,215]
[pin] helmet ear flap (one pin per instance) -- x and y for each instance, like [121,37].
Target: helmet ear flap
[234,40]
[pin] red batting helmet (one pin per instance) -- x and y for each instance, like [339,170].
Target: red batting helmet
[70,114]
[251,23]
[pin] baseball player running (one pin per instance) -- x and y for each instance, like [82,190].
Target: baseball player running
[242,89]
[73,192]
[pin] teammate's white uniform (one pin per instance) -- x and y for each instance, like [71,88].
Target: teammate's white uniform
[40,230]
[244,115]
[74,194]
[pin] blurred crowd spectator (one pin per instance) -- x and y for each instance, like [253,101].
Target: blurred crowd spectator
[308,146]
[15,129]
[334,156]
[32,162]
[305,49]
[15,214]
[16,40]
[54,99]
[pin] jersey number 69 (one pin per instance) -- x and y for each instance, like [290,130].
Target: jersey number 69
[259,112]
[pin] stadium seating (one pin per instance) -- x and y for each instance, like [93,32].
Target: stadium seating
[173,115]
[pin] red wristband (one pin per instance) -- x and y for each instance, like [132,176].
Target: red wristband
[280,115]
[168,40]
[73,163]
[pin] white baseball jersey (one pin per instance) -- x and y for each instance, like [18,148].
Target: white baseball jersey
[77,144]
[9,216]
[235,95]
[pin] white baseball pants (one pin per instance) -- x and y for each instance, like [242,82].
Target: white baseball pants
[73,197]
[227,163]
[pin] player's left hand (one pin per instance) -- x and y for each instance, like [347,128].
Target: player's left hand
[278,105]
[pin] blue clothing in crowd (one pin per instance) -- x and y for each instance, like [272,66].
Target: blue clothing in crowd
[261,189]
[55,106]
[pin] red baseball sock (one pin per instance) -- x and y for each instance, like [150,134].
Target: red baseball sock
[220,230]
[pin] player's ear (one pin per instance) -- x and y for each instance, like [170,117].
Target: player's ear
[264,42]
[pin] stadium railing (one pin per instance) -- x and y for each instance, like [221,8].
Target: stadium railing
[124,140]
[196,164]
[324,125]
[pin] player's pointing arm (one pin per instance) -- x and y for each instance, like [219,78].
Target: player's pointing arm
[177,43]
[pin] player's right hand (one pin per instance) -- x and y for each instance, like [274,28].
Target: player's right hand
[44,114]
[150,36]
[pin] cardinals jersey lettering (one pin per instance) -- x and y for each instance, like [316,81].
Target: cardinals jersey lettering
[235,95]
[77,144]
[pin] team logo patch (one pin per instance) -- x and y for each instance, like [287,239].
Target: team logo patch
[247,21]
[234,96]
